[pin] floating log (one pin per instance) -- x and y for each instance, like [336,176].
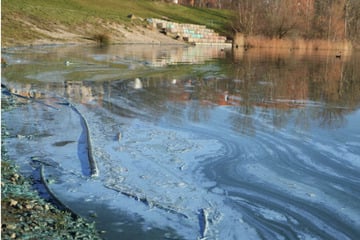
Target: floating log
[94,171]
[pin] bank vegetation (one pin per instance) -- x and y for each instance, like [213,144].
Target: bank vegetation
[56,21]
[314,24]
[297,23]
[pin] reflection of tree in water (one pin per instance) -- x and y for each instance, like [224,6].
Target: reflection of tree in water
[313,89]
[302,119]
[272,88]
[277,91]
[331,117]
[338,87]
[244,122]
[297,84]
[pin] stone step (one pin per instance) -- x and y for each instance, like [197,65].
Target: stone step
[191,33]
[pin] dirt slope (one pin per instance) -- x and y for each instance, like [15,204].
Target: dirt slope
[51,33]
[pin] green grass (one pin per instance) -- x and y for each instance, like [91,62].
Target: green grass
[72,13]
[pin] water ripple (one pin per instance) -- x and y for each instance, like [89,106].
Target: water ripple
[286,187]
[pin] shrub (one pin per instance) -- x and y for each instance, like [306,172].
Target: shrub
[102,39]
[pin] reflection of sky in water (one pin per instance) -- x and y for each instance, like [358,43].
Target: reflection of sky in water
[262,149]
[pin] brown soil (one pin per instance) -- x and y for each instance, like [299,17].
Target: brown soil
[137,32]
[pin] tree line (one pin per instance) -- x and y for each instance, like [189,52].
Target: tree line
[307,19]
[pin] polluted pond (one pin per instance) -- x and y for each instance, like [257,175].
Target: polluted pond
[154,142]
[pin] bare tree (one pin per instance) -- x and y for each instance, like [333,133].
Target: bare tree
[275,18]
[280,18]
[352,20]
[246,15]
[323,19]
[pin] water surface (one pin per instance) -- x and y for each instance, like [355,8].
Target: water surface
[193,142]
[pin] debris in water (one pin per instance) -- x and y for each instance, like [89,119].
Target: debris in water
[203,222]
[118,136]
[62,143]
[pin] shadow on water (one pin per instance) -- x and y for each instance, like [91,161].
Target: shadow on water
[83,150]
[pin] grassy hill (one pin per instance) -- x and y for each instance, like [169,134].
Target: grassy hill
[24,21]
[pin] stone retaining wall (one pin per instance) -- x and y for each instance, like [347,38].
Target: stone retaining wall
[191,33]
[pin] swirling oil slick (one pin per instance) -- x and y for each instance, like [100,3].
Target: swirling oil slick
[226,147]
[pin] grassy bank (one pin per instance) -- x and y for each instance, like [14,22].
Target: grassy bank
[20,18]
